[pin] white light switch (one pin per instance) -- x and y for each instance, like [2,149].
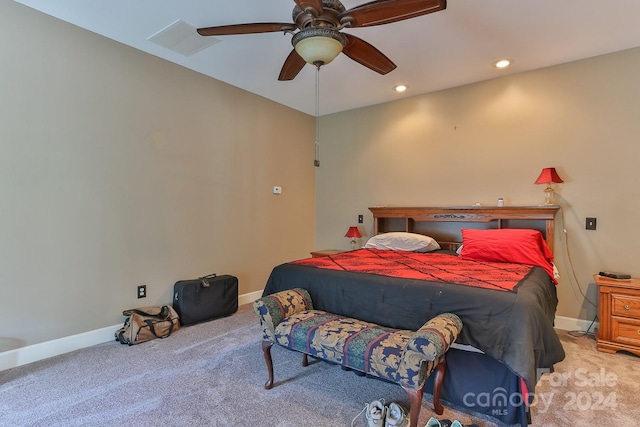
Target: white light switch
[277,190]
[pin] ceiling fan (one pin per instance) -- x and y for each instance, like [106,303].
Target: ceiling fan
[316,32]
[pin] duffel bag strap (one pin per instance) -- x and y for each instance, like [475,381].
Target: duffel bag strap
[164,314]
[149,323]
[120,333]
[121,338]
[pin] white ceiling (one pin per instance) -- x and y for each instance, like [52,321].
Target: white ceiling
[445,49]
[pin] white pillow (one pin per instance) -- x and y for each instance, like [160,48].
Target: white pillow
[402,241]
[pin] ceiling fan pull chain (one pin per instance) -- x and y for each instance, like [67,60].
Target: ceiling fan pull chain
[316,161]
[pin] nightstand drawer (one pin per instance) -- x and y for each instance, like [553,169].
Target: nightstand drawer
[619,314]
[625,305]
[625,331]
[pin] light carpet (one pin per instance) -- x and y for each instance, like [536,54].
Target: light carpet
[213,374]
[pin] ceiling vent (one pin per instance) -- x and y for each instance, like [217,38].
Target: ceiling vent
[182,38]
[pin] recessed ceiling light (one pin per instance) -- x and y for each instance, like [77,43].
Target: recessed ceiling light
[400,88]
[503,63]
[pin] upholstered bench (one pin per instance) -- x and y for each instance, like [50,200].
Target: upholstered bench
[404,357]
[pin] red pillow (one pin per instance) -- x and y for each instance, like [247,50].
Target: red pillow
[521,246]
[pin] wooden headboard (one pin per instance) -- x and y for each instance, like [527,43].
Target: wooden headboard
[444,223]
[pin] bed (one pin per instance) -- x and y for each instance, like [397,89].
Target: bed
[507,307]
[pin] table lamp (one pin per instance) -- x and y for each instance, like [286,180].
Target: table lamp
[548,176]
[354,234]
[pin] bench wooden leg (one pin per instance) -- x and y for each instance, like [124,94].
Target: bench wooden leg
[305,360]
[266,350]
[415,395]
[415,403]
[438,379]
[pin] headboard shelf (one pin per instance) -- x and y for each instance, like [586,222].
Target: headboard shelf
[445,223]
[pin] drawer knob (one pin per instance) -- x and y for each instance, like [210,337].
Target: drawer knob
[627,307]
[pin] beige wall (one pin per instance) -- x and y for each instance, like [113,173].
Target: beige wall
[491,139]
[119,169]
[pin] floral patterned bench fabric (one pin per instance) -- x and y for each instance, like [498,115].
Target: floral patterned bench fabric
[402,356]
[274,308]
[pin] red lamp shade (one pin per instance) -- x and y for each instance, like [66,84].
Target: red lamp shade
[353,232]
[547,176]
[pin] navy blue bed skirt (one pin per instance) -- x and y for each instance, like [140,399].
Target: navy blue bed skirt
[475,382]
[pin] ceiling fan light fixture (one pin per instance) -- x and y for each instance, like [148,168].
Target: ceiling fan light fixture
[316,31]
[318,46]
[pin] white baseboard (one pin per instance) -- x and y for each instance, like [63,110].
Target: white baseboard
[250,297]
[33,353]
[571,324]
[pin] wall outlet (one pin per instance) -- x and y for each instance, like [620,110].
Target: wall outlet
[591,224]
[142,291]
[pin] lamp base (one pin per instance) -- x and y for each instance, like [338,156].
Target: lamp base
[548,196]
[354,244]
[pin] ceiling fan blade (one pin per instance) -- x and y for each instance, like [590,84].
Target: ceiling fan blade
[292,66]
[313,4]
[367,55]
[225,30]
[386,11]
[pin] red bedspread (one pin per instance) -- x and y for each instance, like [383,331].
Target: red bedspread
[435,267]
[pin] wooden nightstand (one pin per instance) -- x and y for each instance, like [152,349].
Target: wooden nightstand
[619,314]
[326,252]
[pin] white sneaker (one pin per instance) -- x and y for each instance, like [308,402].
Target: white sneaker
[396,416]
[434,422]
[375,413]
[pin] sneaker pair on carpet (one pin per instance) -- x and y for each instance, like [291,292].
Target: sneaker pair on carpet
[379,415]
[433,422]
